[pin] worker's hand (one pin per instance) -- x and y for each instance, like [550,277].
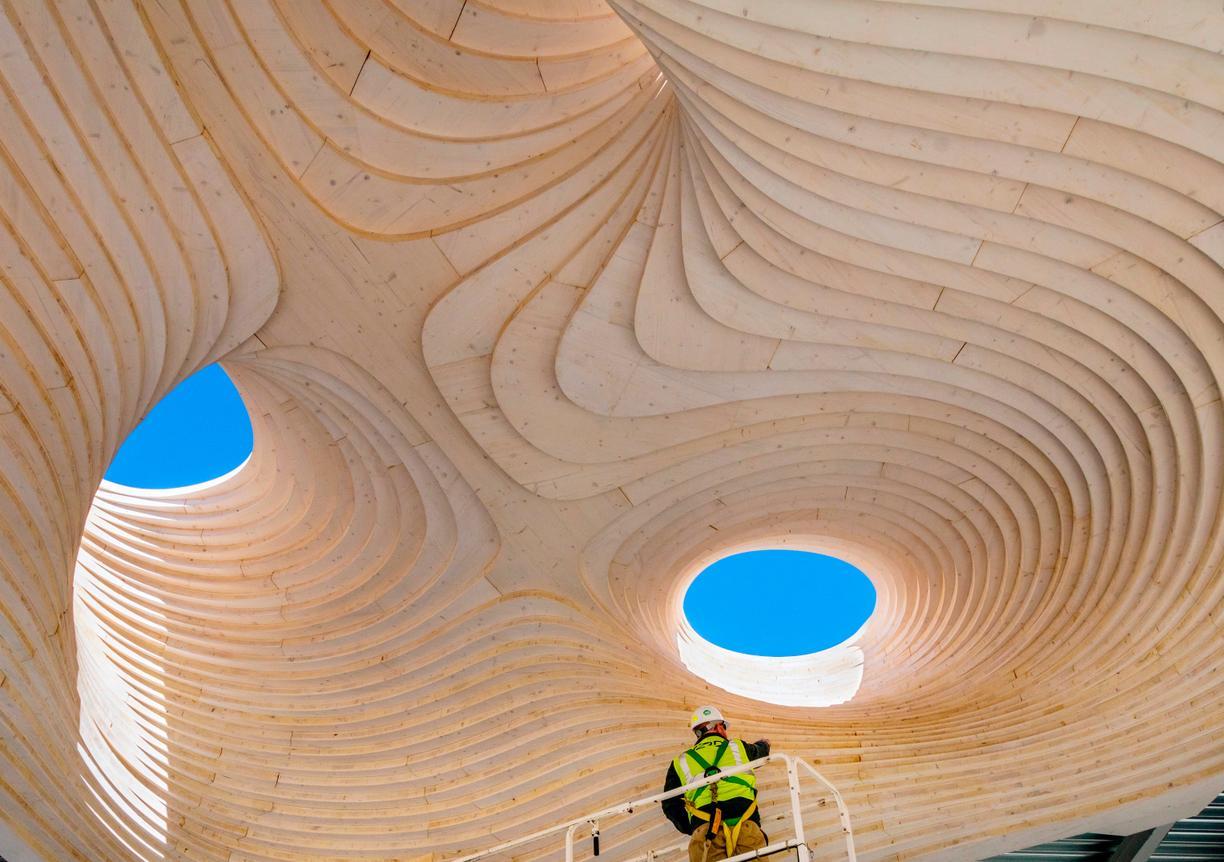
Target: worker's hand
[762,745]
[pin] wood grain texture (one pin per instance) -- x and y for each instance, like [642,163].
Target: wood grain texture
[128,259]
[537,308]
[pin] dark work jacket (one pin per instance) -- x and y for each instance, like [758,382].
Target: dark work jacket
[674,807]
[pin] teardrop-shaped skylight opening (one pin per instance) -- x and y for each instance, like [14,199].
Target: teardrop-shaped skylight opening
[199,432]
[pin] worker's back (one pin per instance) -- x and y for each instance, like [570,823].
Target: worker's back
[716,753]
[722,815]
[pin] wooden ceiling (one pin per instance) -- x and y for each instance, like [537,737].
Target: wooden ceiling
[537,305]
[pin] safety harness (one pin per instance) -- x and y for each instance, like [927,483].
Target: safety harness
[730,826]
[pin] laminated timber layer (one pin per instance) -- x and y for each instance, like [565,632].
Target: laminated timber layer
[538,304]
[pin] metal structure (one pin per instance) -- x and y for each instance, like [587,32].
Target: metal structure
[1193,839]
[1196,838]
[797,843]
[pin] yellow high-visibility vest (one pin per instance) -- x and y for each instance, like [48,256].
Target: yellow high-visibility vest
[710,754]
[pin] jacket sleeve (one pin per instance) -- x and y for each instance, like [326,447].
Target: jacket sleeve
[674,808]
[757,749]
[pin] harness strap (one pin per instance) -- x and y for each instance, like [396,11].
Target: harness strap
[711,768]
[701,761]
[731,833]
[695,812]
[731,825]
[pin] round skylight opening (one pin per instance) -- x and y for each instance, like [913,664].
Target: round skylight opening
[779,602]
[200,431]
[780,626]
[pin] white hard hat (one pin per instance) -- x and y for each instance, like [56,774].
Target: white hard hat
[704,715]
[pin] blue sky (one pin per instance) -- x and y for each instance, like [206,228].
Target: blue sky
[779,603]
[199,431]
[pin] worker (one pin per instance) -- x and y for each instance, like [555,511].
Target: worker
[721,818]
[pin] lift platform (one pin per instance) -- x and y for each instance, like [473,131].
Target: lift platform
[592,823]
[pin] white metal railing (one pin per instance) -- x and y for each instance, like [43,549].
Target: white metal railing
[798,843]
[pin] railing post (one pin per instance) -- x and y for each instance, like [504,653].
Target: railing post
[792,778]
[569,842]
[844,816]
[843,813]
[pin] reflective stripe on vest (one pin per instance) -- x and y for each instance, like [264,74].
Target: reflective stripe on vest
[710,753]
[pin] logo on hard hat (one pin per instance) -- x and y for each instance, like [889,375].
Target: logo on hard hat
[705,715]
